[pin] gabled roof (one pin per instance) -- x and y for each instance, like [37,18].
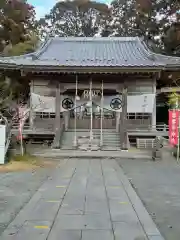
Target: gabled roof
[84,52]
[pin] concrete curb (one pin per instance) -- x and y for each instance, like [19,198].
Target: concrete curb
[92,154]
[146,221]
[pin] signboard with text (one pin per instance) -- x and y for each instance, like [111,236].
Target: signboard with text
[173,126]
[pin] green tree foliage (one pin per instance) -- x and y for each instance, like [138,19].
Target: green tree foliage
[14,89]
[74,19]
[6,94]
[17,23]
[174,100]
[150,19]
[154,20]
[17,36]
[21,47]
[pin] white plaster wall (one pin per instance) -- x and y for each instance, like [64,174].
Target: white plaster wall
[141,86]
[141,95]
[137,103]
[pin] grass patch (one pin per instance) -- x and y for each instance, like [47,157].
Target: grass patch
[26,163]
[25,158]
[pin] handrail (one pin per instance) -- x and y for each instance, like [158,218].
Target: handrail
[26,126]
[163,127]
[129,126]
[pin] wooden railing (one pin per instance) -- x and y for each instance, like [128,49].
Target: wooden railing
[163,127]
[134,128]
[28,128]
[145,143]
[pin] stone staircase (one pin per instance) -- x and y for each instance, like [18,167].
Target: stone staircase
[111,139]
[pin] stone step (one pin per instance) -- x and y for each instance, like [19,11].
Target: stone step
[111,139]
[94,130]
[109,148]
[94,137]
[88,133]
[104,145]
[67,147]
[97,140]
[94,134]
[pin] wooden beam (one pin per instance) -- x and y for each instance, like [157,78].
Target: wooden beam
[91,70]
[69,78]
[170,89]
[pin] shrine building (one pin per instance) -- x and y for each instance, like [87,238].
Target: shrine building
[91,91]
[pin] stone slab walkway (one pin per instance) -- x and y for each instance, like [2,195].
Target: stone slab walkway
[84,200]
[16,189]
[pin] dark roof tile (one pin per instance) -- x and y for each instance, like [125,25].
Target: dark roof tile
[93,52]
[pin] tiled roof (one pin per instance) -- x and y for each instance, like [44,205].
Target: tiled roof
[122,52]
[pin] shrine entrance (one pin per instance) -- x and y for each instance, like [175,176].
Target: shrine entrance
[92,115]
[87,113]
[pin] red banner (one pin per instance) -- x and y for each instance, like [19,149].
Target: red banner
[173,126]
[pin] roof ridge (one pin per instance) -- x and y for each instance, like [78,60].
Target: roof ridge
[160,55]
[146,50]
[68,39]
[166,56]
[42,48]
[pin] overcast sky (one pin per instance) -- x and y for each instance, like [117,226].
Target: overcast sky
[43,6]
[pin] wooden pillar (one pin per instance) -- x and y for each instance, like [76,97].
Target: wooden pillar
[153,117]
[57,123]
[31,108]
[66,117]
[123,130]
[117,121]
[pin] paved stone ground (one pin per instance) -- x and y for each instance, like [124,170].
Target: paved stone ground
[84,200]
[158,185]
[16,189]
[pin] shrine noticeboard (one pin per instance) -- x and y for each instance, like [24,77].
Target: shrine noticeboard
[173,126]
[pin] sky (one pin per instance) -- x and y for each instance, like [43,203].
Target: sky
[43,6]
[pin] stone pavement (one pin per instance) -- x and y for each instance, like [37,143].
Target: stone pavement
[84,200]
[16,189]
[157,184]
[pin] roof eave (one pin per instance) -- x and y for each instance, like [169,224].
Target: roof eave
[6,66]
[81,68]
[175,67]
